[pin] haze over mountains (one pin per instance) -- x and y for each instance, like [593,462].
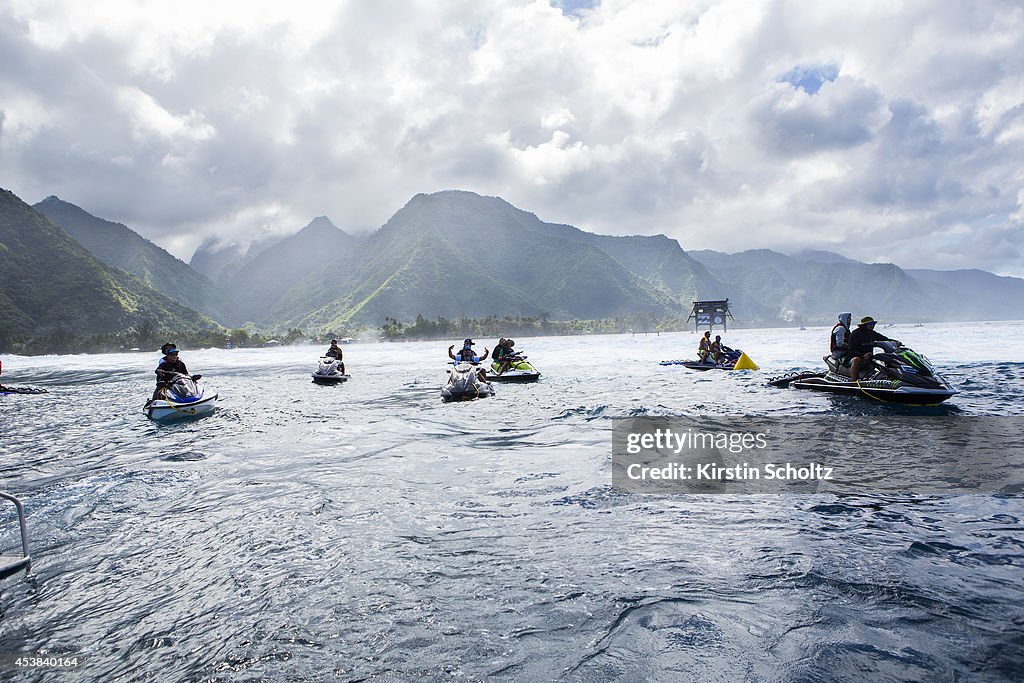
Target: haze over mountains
[450,254]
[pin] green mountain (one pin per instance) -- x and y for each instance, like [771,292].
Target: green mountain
[116,245]
[260,280]
[457,253]
[51,285]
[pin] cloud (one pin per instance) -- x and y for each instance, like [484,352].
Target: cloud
[794,122]
[863,128]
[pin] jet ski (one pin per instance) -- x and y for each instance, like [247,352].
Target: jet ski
[897,375]
[519,370]
[730,359]
[181,397]
[329,371]
[464,384]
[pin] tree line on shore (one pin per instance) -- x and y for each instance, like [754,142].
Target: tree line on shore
[149,335]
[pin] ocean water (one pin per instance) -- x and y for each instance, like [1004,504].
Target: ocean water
[370,531]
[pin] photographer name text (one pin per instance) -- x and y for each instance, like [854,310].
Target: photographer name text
[675,471]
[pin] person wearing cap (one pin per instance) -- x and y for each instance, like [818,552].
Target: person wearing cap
[170,366]
[862,341]
[838,342]
[467,354]
[335,352]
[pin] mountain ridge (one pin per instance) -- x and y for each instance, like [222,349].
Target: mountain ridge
[118,246]
[51,287]
[456,253]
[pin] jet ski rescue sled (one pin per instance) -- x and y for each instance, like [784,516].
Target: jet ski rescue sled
[732,359]
[182,397]
[464,384]
[329,371]
[898,375]
[519,370]
[20,390]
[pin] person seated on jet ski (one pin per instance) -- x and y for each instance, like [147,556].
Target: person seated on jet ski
[718,349]
[336,353]
[839,340]
[169,366]
[862,341]
[704,350]
[467,355]
[504,354]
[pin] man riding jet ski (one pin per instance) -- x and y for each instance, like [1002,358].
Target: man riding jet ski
[177,394]
[897,375]
[509,365]
[862,341]
[331,369]
[466,381]
[839,340]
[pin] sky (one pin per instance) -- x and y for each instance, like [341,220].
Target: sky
[886,131]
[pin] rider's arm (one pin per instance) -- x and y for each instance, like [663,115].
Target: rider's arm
[486,351]
[450,354]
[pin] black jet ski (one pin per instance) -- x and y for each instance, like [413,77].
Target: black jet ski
[328,371]
[464,384]
[730,359]
[897,375]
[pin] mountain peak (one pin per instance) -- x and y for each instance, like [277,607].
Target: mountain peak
[319,226]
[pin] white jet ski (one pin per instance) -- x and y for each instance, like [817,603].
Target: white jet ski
[182,397]
[329,371]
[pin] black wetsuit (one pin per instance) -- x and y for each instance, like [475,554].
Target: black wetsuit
[167,368]
[862,340]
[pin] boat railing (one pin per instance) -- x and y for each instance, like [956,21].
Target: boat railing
[12,563]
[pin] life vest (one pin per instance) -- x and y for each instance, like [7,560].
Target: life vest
[466,356]
[705,344]
[833,343]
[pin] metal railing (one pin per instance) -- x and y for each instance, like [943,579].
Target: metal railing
[10,564]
